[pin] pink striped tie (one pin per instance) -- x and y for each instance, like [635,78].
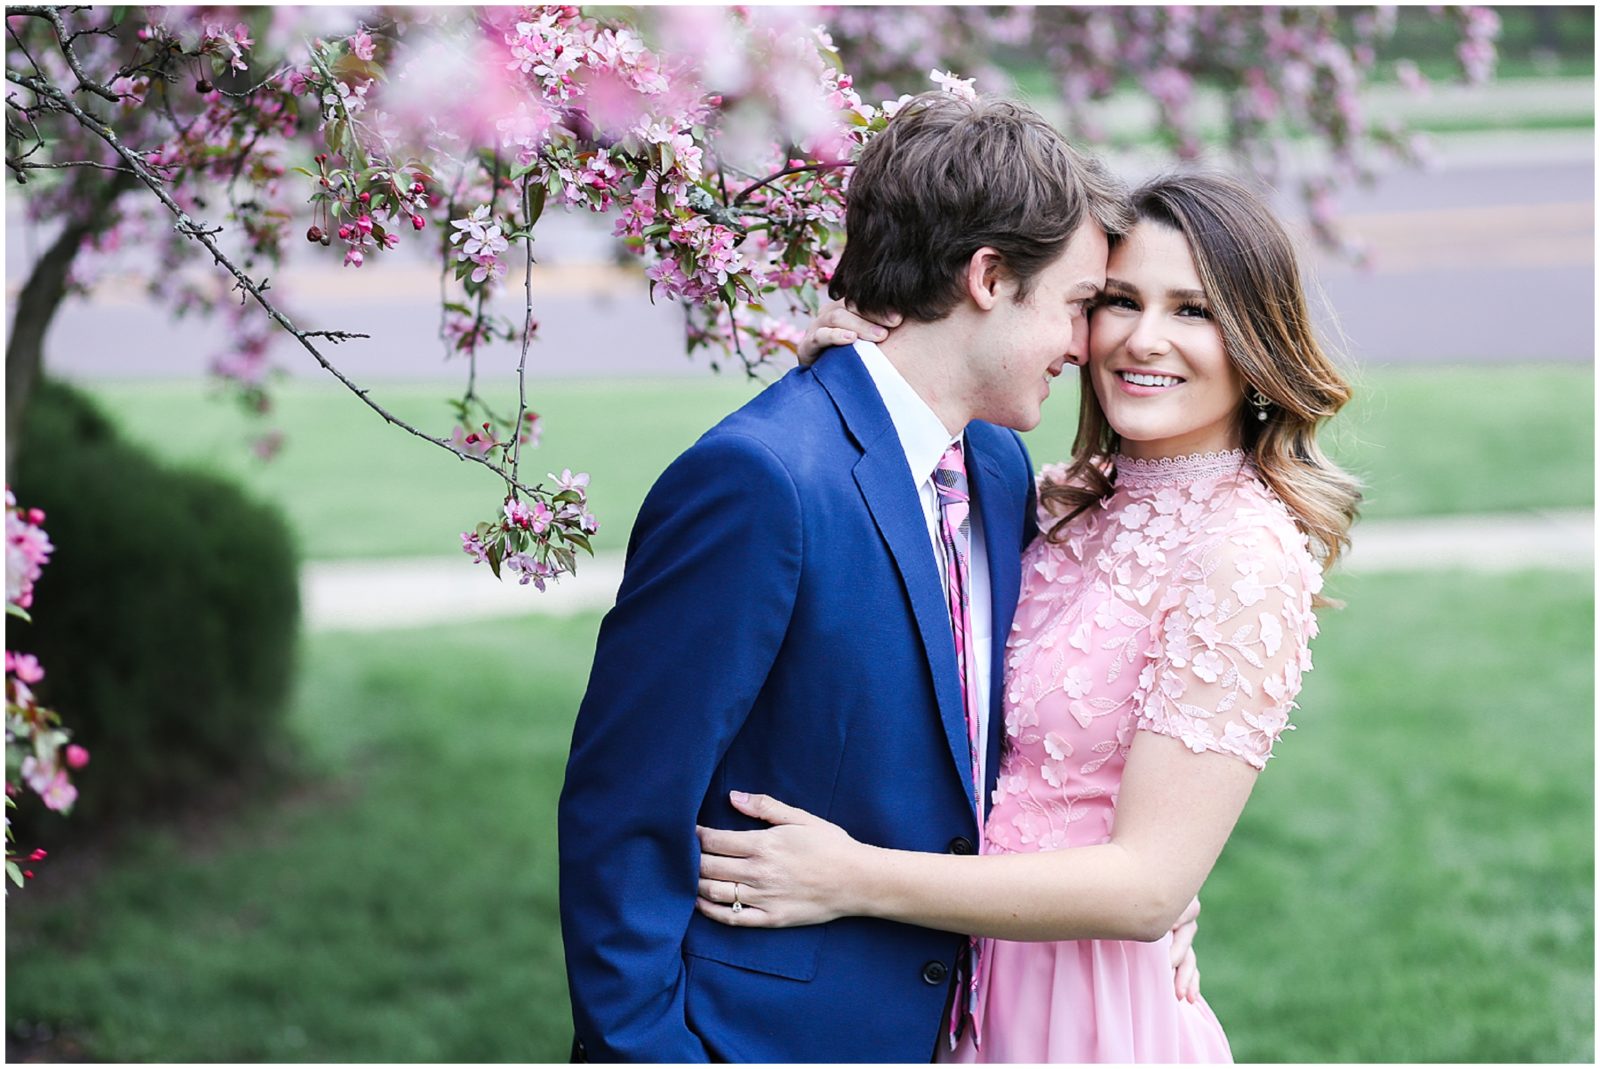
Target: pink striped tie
[955,532]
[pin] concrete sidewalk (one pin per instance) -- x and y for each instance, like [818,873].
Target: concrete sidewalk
[386,594]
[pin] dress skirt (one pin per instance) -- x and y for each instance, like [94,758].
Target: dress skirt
[1091,1000]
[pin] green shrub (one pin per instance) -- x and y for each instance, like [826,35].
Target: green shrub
[166,619]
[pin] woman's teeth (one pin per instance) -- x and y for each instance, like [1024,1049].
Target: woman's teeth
[1141,378]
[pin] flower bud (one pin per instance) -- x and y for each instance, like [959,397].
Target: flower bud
[417,223]
[77,756]
[28,873]
[344,232]
[364,198]
[38,855]
[418,187]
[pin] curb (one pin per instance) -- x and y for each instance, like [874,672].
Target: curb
[421,591]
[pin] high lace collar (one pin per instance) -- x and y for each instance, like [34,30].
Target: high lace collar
[1178,471]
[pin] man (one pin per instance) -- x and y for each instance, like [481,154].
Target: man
[786,622]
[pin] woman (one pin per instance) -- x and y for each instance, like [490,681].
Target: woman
[1159,642]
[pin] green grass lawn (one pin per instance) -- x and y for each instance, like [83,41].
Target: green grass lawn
[1411,881]
[1429,441]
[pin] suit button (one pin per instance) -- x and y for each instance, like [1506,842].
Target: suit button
[934,972]
[960,845]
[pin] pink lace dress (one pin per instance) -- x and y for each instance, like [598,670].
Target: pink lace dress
[1183,606]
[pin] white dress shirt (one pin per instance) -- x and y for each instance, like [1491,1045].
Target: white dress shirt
[924,439]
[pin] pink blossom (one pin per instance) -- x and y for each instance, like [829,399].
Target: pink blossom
[49,782]
[518,514]
[77,756]
[947,80]
[59,794]
[473,546]
[28,549]
[537,519]
[361,45]
[530,570]
[569,481]
[533,429]
[25,666]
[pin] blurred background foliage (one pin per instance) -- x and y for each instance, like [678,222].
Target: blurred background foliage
[170,611]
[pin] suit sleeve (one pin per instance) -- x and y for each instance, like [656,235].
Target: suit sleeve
[710,584]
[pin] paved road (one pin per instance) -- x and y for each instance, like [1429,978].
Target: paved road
[387,594]
[1488,258]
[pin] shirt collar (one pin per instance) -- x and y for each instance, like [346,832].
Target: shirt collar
[923,436]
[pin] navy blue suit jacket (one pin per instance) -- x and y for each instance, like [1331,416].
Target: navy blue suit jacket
[781,628]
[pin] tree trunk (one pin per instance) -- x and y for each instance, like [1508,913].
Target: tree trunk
[41,296]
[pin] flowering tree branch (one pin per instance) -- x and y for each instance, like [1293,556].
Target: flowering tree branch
[52,15]
[206,237]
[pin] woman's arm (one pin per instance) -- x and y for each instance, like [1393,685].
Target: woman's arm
[1175,811]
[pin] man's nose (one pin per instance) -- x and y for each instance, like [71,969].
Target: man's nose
[1078,347]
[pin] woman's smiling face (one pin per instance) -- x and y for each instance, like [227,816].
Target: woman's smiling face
[1156,358]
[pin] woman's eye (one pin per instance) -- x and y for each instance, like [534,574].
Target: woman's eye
[1119,302]
[1195,311]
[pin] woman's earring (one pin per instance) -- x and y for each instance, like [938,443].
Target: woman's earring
[1260,402]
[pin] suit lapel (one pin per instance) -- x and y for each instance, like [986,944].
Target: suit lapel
[890,494]
[1000,503]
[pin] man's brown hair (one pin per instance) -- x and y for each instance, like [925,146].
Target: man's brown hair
[949,176]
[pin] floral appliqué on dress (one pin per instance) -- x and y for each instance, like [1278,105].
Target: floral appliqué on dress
[1182,606]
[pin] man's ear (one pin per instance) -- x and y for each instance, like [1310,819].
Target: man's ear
[986,277]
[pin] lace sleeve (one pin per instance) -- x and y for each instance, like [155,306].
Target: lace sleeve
[1232,643]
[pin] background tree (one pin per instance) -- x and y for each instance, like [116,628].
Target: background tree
[717,140]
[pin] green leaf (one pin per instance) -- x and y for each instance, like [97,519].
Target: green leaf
[582,541]
[18,611]
[302,170]
[494,559]
[566,497]
[536,199]
[668,157]
[14,872]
